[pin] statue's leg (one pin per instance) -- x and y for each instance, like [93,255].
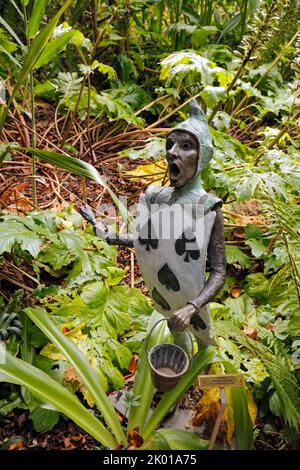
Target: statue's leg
[183,339]
[200,343]
[203,345]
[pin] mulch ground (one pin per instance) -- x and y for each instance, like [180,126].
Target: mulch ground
[17,433]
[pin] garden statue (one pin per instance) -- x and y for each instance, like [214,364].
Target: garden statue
[177,228]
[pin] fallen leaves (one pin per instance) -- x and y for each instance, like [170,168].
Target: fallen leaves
[152,173]
[73,442]
[16,445]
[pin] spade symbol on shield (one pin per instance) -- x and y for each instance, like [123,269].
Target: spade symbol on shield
[158,298]
[148,237]
[186,244]
[197,322]
[167,277]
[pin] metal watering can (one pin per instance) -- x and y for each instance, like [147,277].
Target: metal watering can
[168,362]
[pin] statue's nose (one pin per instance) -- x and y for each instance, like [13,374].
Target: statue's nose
[173,151]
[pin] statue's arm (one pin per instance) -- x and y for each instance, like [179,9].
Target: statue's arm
[101,229]
[217,259]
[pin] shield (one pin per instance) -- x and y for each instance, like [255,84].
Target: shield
[171,249]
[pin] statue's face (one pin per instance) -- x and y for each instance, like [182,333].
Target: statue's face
[182,156]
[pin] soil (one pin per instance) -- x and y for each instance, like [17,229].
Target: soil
[17,433]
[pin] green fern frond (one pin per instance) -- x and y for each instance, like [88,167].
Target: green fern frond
[290,436]
[278,369]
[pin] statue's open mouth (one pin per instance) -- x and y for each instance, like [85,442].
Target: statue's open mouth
[174,170]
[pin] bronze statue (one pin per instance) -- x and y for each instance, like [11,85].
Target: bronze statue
[173,265]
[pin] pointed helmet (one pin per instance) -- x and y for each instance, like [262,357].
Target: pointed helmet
[196,125]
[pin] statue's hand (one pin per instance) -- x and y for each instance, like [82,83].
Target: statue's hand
[100,229]
[180,319]
[87,213]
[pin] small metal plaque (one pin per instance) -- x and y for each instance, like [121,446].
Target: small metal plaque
[221,380]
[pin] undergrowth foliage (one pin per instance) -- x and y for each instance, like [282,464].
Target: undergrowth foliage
[115,77]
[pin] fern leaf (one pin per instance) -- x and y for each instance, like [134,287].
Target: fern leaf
[278,369]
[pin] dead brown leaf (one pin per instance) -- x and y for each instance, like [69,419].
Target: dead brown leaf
[134,439]
[119,447]
[239,232]
[71,375]
[73,442]
[250,332]
[133,363]
[65,330]
[78,438]
[235,292]
[271,326]
[68,444]
[16,446]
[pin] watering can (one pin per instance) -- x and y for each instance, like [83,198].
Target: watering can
[168,362]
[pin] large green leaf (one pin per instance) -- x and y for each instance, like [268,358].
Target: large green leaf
[43,420]
[230,25]
[16,371]
[143,385]
[12,232]
[80,168]
[11,32]
[213,95]
[242,420]
[156,442]
[81,364]
[111,303]
[36,17]
[235,255]
[200,360]
[178,439]
[57,256]
[184,65]
[53,48]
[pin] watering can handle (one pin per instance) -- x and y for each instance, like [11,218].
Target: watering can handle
[151,331]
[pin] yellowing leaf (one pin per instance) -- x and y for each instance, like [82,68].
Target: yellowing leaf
[71,376]
[151,173]
[51,351]
[251,406]
[207,412]
[209,407]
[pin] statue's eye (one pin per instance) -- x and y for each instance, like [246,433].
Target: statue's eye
[185,146]
[169,144]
